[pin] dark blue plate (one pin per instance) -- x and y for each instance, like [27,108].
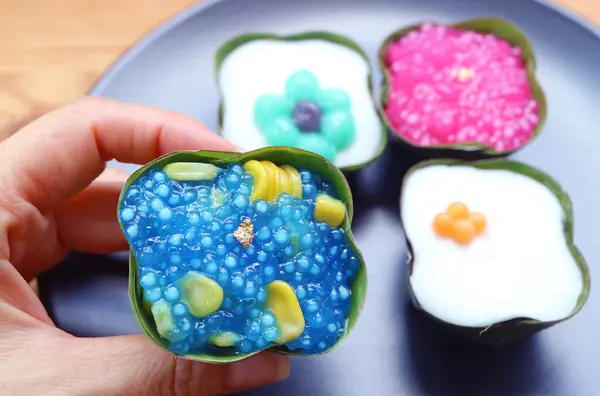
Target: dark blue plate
[393,350]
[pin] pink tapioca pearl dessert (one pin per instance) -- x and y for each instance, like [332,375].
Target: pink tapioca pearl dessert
[451,86]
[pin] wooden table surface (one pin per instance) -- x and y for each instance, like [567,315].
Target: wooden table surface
[52,51]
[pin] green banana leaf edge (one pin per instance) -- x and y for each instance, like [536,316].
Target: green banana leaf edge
[279,156]
[236,42]
[500,28]
[513,330]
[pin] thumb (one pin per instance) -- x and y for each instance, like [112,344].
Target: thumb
[133,365]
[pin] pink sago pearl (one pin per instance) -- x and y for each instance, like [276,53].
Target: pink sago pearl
[452,86]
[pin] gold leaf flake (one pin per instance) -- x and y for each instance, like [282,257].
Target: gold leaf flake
[245,233]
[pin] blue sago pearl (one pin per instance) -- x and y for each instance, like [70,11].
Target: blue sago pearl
[261,207]
[309,191]
[344,292]
[206,241]
[339,276]
[322,345]
[238,310]
[200,329]
[306,341]
[231,261]
[174,200]
[276,223]
[227,303]
[267,320]
[288,267]
[203,191]
[315,269]
[250,289]
[179,309]
[261,257]
[189,196]
[215,227]
[304,262]
[244,189]
[221,249]
[212,267]
[261,343]
[237,281]
[264,234]
[190,234]
[171,293]
[261,296]
[286,212]
[245,346]
[241,201]
[175,258]
[159,176]
[175,239]
[233,181]
[228,226]
[238,169]
[253,331]
[298,278]
[132,231]
[152,295]
[148,184]
[195,263]
[156,204]
[269,271]
[185,325]
[269,247]
[143,207]
[223,212]
[297,215]
[337,234]
[254,313]
[162,190]
[301,292]
[332,327]
[288,252]
[206,216]
[282,235]
[334,295]
[193,218]
[149,280]
[250,250]
[165,214]
[223,277]
[306,241]
[270,334]
[127,214]
[229,239]
[312,306]
[132,193]
[203,201]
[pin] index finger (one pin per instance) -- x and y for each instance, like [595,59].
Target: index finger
[59,154]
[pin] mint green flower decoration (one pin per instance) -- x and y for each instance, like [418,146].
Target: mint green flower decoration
[306,116]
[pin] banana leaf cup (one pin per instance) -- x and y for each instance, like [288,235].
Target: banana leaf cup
[473,265]
[232,254]
[422,142]
[297,99]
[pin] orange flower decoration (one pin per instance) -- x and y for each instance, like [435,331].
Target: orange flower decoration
[458,223]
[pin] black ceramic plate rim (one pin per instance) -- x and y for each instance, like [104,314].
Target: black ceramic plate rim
[169,24]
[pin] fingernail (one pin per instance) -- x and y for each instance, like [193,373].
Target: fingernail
[262,369]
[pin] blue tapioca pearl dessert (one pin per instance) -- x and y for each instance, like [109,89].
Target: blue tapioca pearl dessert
[232,259]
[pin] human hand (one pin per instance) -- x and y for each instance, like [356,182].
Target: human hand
[55,195]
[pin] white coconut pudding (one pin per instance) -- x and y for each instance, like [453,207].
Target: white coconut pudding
[488,246]
[309,94]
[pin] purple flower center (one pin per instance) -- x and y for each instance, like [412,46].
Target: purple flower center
[307,116]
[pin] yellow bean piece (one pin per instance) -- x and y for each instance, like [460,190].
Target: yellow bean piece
[330,210]
[282,300]
[225,339]
[271,180]
[161,311]
[191,171]
[202,295]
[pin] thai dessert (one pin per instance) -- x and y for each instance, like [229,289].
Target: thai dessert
[232,254]
[310,91]
[491,248]
[462,88]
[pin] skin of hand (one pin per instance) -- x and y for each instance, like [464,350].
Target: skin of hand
[55,195]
